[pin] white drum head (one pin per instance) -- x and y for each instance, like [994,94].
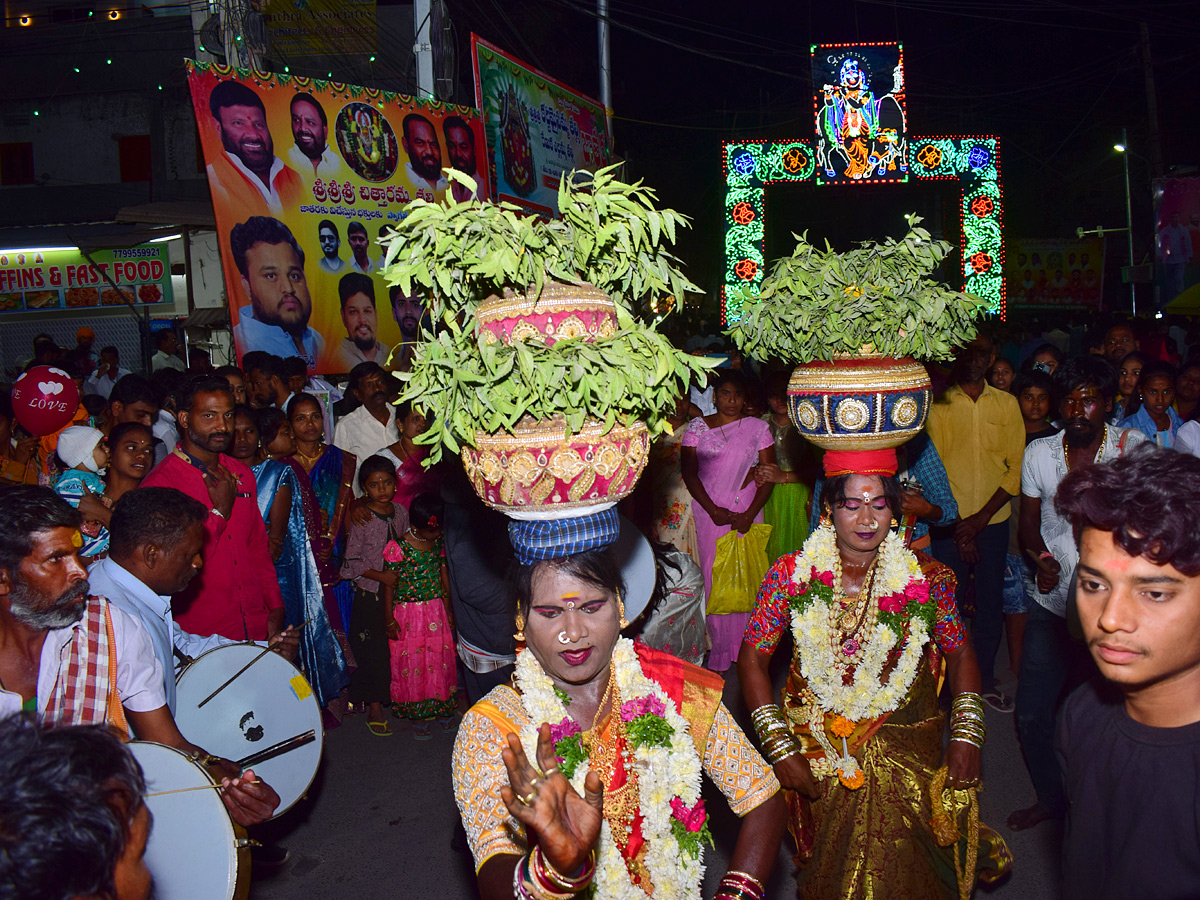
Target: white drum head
[192,851]
[268,703]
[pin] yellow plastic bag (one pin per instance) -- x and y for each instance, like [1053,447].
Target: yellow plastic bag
[738,570]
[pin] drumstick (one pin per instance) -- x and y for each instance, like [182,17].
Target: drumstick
[234,676]
[279,749]
[203,787]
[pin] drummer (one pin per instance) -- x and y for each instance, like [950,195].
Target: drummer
[72,658]
[155,540]
[74,824]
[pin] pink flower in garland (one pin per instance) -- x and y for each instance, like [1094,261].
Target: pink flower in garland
[826,578]
[568,727]
[892,603]
[642,706]
[917,590]
[392,552]
[693,818]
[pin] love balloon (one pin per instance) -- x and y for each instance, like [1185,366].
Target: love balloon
[44,399]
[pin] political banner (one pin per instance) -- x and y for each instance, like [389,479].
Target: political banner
[537,128]
[48,280]
[306,176]
[1177,243]
[320,27]
[1066,273]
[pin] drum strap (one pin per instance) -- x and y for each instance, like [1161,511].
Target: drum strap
[116,711]
[85,692]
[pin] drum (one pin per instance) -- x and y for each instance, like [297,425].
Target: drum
[268,704]
[195,851]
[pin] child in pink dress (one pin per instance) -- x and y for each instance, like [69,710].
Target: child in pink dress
[421,629]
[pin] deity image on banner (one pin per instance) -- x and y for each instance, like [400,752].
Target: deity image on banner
[860,122]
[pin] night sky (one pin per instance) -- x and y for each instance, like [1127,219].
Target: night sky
[1056,81]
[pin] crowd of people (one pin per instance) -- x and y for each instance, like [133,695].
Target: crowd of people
[194,509]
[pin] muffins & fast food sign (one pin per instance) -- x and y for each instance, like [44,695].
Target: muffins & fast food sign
[44,280]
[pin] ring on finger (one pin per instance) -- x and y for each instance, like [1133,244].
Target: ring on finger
[528,799]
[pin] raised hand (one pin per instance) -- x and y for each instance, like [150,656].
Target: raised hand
[565,825]
[222,489]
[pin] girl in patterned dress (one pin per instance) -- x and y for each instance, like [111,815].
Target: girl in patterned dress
[421,625]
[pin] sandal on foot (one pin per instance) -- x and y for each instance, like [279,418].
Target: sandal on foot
[379,729]
[448,723]
[998,700]
[421,731]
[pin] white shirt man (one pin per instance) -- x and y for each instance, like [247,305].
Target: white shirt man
[153,613]
[328,166]
[1042,470]
[362,434]
[139,676]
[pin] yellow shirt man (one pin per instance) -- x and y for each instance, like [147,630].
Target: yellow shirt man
[981,442]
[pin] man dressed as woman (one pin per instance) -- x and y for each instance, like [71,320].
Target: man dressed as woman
[585,771]
[858,738]
[720,453]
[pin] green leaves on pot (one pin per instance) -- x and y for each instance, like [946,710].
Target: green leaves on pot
[610,235]
[468,385]
[878,300]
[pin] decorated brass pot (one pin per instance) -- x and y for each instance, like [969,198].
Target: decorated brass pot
[538,467]
[562,311]
[859,404]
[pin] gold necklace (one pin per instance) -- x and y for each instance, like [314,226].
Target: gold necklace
[620,804]
[310,459]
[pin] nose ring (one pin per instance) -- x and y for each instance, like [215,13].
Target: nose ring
[562,638]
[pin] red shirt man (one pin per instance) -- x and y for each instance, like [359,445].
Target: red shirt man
[235,594]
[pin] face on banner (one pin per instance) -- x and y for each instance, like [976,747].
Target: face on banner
[1066,272]
[306,178]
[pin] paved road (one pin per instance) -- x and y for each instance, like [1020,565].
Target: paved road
[381,819]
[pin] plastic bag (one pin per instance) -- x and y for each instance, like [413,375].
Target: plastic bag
[738,570]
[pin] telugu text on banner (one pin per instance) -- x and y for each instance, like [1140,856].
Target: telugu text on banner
[537,129]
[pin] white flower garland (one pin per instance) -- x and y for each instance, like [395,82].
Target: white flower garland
[663,773]
[865,697]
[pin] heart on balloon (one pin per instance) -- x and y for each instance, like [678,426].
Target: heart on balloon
[49,387]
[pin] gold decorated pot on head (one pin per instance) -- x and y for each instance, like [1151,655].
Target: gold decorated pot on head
[562,311]
[859,404]
[538,466]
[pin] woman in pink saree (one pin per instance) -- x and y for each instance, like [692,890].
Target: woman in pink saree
[719,455]
[412,476]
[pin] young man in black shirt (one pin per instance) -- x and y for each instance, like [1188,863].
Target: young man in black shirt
[1129,743]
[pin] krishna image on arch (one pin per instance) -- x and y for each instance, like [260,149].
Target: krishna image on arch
[861,123]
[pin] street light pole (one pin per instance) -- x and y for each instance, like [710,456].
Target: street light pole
[1123,147]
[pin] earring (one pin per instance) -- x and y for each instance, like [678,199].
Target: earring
[621,610]
[520,635]
[894,524]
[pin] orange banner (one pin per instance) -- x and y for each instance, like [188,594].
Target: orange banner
[306,175]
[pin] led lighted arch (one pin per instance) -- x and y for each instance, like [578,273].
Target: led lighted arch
[750,166]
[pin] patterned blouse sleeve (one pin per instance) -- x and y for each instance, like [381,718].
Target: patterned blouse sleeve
[948,630]
[771,613]
[478,774]
[695,428]
[736,767]
[765,439]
